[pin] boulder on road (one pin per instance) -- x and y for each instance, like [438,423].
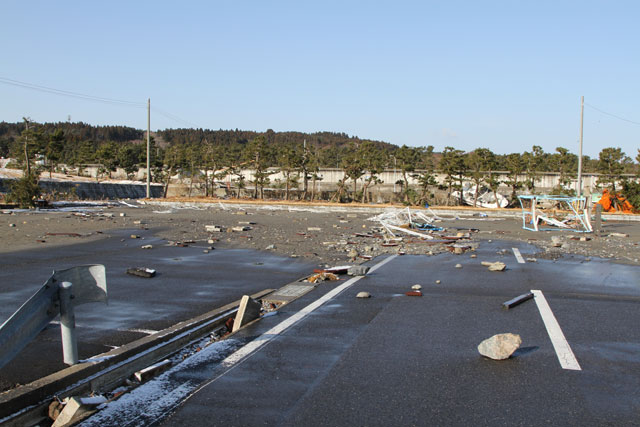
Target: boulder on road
[500,346]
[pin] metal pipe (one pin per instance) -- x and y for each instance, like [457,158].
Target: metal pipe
[68,324]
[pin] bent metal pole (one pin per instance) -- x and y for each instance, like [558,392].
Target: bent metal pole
[68,324]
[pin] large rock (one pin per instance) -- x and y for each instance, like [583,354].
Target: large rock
[500,346]
[495,266]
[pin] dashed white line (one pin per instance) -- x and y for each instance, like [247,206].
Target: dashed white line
[563,350]
[518,255]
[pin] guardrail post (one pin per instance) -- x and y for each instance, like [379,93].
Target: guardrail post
[68,324]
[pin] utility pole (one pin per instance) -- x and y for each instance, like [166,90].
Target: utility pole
[148,148]
[26,142]
[580,149]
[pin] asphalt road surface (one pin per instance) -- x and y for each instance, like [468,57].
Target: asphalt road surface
[329,358]
[188,283]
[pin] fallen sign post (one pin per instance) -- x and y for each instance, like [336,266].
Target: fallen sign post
[64,290]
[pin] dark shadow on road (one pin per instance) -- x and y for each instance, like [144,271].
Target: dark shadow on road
[522,351]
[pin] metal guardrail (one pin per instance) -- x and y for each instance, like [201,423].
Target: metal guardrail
[59,294]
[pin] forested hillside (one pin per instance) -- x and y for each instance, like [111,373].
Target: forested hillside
[299,156]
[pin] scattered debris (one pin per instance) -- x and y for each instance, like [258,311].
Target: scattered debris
[146,247]
[413,294]
[495,266]
[321,277]
[214,228]
[618,235]
[473,195]
[500,346]
[363,294]
[314,229]
[532,260]
[517,300]
[141,272]
[270,247]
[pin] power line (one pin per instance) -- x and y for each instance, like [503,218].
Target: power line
[612,115]
[70,94]
[110,101]
[174,117]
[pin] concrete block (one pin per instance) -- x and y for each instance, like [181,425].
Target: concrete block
[358,270]
[77,409]
[153,370]
[249,310]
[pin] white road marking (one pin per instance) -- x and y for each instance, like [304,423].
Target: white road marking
[142,331]
[563,350]
[243,353]
[516,252]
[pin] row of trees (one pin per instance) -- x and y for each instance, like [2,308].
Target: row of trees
[224,154]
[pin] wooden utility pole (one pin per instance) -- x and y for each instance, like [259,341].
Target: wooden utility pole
[148,148]
[26,150]
[580,149]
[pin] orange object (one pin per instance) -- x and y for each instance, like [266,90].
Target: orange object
[614,203]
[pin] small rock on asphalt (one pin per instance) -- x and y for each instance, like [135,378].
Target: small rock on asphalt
[363,294]
[495,266]
[458,265]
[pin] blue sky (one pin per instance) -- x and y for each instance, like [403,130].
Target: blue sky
[499,74]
